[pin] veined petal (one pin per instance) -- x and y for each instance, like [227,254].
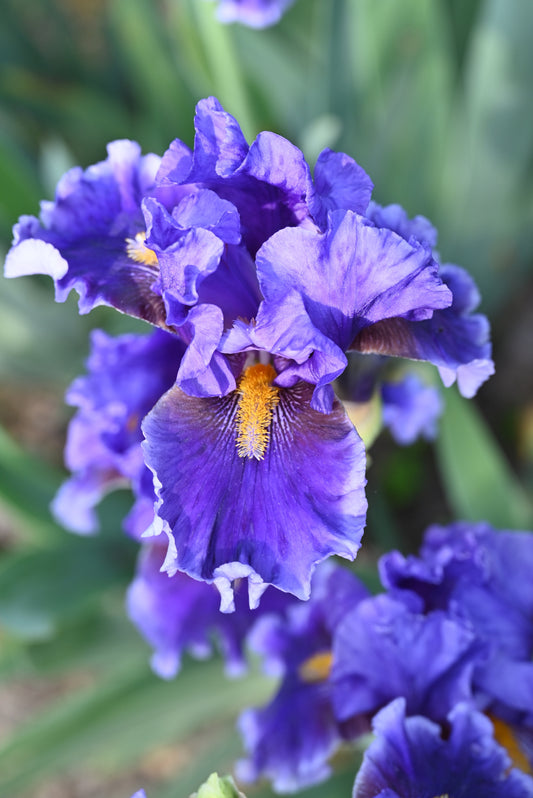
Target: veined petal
[347,278]
[279,515]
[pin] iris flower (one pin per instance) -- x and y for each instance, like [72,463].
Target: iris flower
[268,277]
[411,758]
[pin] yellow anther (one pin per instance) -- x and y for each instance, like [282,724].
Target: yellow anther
[257,400]
[316,668]
[139,252]
[504,735]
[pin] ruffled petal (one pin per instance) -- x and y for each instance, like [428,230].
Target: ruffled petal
[411,757]
[92,225]
[348,278]
[340,183]
[277,516]
[384,649]
[454,339]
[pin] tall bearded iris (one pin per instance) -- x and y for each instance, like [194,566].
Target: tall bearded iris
[267,277]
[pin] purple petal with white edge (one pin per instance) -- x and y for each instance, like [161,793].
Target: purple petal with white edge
[276,516]
[454,339]
[395,218]
[385,649]
[411,409]
[95,214]
[33,256]
[253,13]
[411,757]
[340,183]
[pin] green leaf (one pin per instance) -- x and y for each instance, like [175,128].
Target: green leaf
[27,486]
[111,724]
[41,589]
[479,482]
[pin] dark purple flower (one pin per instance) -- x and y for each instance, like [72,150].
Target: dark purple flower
[386,648]
[410,409]
[126,376]
[290,740]
[177,614]
[268,277]
[410,758]
[483,577]
[253,13]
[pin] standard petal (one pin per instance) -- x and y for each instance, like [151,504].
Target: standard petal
[279,515]
[340,183]
[348,278]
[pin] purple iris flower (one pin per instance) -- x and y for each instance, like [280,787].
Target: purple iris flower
[126,376]
[178,613]
[386,648]
[267,276]
[483,577]
[411,758]
[410,409]
[291,739]
[253,13]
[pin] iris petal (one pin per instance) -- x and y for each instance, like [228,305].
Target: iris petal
[276,517]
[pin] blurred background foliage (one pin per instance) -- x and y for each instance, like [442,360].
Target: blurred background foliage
[434,100]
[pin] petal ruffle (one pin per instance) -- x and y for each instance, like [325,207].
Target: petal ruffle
[454,339]
[276,517]
[94,214]
[411,757]
[384,649]
[348,278]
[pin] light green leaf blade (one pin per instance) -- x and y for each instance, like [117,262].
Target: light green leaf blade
[479,482]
